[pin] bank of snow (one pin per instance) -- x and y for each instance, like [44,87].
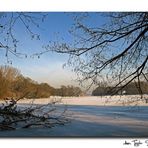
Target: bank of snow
[124,100]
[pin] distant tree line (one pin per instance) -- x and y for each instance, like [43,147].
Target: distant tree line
[130,89]
[14,84]
[68,91]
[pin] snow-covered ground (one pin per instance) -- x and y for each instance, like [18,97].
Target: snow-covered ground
[90,118]
[107,100]
[94,100]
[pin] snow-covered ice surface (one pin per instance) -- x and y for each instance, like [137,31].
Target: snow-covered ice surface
[93,121]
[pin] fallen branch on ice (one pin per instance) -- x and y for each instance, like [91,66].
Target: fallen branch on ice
[13,116]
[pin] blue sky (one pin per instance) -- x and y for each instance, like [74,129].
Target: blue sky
[48,68]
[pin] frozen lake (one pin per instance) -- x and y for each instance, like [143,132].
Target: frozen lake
[94,121]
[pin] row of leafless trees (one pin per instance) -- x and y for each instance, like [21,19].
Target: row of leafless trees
[130,89]
[14,84]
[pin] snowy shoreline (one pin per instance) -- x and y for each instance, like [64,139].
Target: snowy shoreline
[92,100]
